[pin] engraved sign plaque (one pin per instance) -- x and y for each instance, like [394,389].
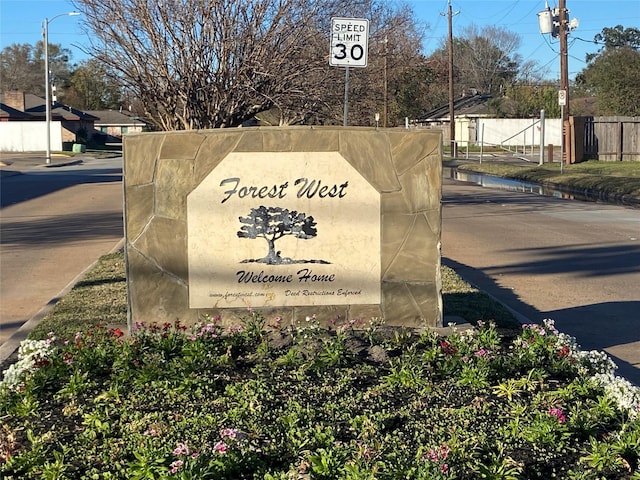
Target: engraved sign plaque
[283,229]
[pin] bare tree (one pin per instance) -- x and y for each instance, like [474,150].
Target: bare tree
[209,63]
[217,63]
[485,61]
[487,58]
[395,64]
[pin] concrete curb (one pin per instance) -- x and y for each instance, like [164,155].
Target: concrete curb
[12,173]
[62,164]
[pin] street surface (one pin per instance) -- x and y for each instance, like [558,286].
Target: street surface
[55,222]
[575,262]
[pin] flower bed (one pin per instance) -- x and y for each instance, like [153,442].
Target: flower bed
[266,401]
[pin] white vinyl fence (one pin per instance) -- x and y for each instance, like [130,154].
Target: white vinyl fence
[29,136]
[517,132]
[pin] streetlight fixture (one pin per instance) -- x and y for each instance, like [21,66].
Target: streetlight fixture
[47,81]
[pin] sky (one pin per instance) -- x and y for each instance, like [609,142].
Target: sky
[21,22]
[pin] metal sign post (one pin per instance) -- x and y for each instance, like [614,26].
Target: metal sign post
[562,101]
[562,143]
[345,112]
[349,48]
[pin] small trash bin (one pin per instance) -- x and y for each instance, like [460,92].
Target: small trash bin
[79,148]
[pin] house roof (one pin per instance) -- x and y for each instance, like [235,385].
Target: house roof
[115,118]
[9,112]
[36,105]
[473,105]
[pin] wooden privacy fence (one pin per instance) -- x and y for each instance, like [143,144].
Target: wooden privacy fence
[605,138]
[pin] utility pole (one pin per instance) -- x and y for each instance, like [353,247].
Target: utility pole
[386,87]
[564,79]
[556,22]
[452,118]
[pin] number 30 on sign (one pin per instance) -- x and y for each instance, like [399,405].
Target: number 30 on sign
[349,42]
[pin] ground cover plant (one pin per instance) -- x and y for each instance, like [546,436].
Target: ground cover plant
[269,401]
[88,399]
[619,181]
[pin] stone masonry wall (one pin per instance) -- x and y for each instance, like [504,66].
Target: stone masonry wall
[403,166]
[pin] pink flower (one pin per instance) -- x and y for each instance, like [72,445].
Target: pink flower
[181,449]
[432,455]
[175,466]
[220,447]
[231,433]
[444,451]
[444,468]
[436,454]
[558,413]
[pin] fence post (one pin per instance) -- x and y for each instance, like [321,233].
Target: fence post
[481,141]
[620,142]
[541,137]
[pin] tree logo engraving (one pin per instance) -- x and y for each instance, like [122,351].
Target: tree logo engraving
[273,223]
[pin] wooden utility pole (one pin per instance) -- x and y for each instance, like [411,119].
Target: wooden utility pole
[564,79]
[452,118]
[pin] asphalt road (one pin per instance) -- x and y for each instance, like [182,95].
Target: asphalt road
[575,262]
[55,222]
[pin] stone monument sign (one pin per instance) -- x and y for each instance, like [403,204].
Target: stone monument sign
[298,221]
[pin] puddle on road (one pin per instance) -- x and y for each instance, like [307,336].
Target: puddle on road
[490,181]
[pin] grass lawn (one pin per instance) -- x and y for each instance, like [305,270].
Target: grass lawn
[272,401]
[100,299]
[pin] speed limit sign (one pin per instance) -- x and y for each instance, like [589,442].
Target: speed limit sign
[349,42]
[562,98]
